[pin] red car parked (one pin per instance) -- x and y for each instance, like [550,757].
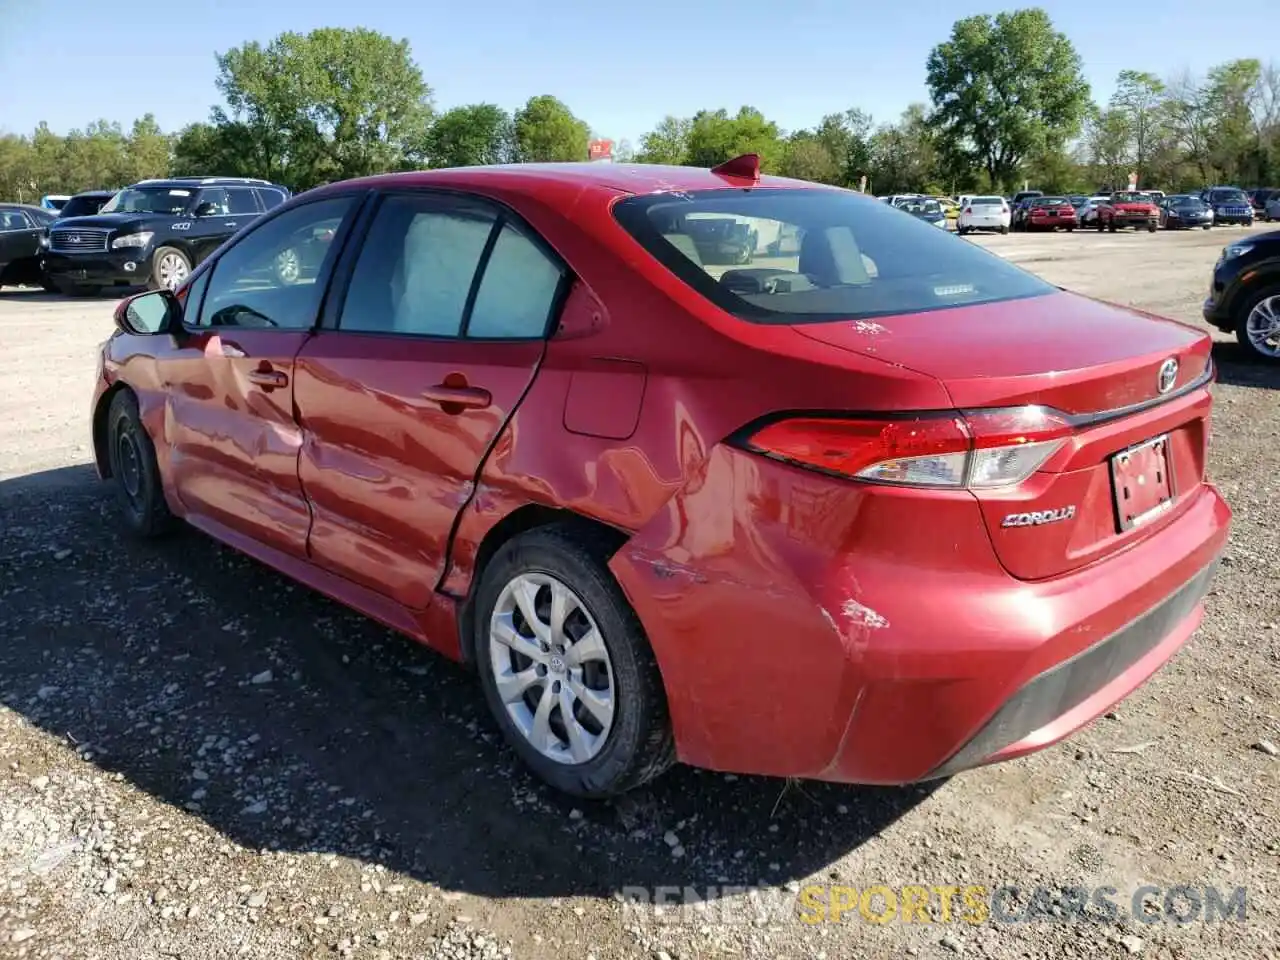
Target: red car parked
[1129,209]
[1051,213]
[873,506]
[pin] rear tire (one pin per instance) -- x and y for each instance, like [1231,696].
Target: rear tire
[1207,226]
[134,471]
[1004,229]
[540,668]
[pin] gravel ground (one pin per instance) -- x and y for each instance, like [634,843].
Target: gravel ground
[200,760]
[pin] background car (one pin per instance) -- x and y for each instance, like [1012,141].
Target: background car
[85,204]
[1244,294]
[984,213]
[153,232]
[1230,205]
[515,416]
[22,228]
[1128,208]
[1088,211]
[1183,211]
[926,209]
[1049,213]
[1258,198]
[1272,213]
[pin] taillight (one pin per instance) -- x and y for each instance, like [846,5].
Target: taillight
[968,209]
[972,449]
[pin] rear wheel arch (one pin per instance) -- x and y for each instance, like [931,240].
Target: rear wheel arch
[607,541]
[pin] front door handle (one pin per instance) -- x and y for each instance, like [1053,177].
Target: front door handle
[459,398]
[268,379]
[230,223]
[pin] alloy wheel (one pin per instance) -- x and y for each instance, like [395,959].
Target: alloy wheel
[173,271]
[1262,326]
[552,669]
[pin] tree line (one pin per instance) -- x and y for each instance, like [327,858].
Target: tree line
[1008,104]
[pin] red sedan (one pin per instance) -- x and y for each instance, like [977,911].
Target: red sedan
[1051,213]
[855,501]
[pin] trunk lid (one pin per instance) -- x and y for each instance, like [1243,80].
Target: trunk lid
[1097,362]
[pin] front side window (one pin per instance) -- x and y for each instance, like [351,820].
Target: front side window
[814,255]
[274,277]
[165,200]
[13,220]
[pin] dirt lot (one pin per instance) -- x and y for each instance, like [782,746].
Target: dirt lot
[199,760]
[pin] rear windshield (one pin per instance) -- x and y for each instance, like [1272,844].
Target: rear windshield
[1130,198]
[808,256]
[987,202]
[1050,202]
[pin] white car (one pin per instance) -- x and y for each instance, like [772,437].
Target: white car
[984,213]
[1088,213]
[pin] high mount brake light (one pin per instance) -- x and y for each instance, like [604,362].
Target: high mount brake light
[972,449]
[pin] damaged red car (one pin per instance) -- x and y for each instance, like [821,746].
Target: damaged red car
[848,498]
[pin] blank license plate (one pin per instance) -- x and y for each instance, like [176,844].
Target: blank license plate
[1141,482]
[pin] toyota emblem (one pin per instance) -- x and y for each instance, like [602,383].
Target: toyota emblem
[1168,375]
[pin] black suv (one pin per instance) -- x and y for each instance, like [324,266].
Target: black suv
[153,232]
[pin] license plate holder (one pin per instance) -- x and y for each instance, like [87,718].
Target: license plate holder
[1142,482]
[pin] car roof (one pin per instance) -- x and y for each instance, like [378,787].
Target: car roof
[26,206]
[96,193]
[610,178]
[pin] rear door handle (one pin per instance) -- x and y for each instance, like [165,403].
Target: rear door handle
[268,379]
[467,398]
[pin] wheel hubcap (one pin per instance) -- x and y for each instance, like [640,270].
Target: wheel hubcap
[1263,326]
[288,266]
[173,271]
[551,668]
[129,462]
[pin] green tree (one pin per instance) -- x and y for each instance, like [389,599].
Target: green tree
[470,136]
[1004,88]
[847,137]
[146,154]
[93,157]
[715,136]
[1140,98]
[806,157]
[547,132]
[1108,138]
[330,104]
[667,143]
[904,155]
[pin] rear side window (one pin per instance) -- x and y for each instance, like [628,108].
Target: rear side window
[518,290]
[270,197]
[815,255]
[240,201]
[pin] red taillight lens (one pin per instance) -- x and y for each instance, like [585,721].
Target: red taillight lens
[976,449]
[968,209]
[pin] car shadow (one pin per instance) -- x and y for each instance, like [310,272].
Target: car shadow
[287,722]
[1236,367]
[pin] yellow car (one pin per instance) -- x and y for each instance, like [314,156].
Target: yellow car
[949,207]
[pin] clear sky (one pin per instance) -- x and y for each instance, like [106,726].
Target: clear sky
[619,65]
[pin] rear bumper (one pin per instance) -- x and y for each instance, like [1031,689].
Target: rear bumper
[126,267]
[806,631]
[1075,691]
[1050,223]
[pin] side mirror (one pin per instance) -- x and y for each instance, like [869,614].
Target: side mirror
[207,209]
[149,314]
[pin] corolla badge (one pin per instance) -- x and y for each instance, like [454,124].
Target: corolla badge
[1168,375]
[1037,518]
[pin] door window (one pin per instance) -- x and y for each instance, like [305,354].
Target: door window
[274,276]
[416,274]
[240,200]
[212,203]
[13,220]
[517,292]
[416,267]
[270,197]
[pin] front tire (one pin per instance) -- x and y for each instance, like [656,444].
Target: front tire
[1258,324]
[1151,228]
[566,668]
[134,470]
[170,268]
[1004,229]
